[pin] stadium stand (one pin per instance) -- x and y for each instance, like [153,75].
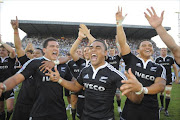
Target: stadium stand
[66,33]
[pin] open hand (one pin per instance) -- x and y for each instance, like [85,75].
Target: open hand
[130,85]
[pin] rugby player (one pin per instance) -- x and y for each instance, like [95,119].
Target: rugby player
[150,74]
[167,62]
[7,57]
[100,80]
[49,103]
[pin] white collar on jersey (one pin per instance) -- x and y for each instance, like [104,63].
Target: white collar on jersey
[164,57]
[87,62]
[2,59]
[46,58]
[145,63]
[96,71]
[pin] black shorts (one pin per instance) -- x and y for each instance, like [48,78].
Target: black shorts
[21,112]
[169,80]
[67,92]
[80,106]
[49,117]
[6,95]
[130,113]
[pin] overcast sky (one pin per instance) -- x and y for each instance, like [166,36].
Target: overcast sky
[93,11]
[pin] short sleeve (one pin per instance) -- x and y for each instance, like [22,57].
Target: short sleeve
[29,68]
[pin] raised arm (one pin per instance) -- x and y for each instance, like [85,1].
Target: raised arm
[75,45]
[12,53]
[156,23]
[125,49]
[18,45]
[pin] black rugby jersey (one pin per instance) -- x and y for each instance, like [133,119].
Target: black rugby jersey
[114,61]
[167,62]
[23,59]
[76,66]
[100,87]
[146,73]
[28,89]
[6,67]
[50,94]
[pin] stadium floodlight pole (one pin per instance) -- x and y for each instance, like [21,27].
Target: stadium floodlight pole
[178,26]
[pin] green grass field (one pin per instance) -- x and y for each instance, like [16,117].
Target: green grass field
[174,107]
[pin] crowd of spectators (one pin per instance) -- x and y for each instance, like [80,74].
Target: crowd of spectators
[65,44]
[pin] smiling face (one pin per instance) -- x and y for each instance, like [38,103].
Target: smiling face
[97,54]
[37,53]
[79,52]
[3,52]
[145,50]
[51,51]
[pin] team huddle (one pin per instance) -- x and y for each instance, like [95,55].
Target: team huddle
[90,77]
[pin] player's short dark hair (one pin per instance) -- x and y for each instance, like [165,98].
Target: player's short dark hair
[1,46]
[40,50]
[111,47]
[102,41]
[45,43]
[68,54]
[30,51]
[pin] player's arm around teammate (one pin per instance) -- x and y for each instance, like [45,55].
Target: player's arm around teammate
[156,23]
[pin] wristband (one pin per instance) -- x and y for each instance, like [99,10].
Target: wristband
[56,62]
[145,90]
[16,33]
[119,23]
[138,93]
[79,39]
[60,80]
[5,88]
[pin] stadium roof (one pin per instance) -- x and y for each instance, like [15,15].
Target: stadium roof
[59,28]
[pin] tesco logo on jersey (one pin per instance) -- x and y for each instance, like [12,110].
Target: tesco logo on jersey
[94,87]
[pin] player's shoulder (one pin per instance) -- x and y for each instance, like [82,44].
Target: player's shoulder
[113,71]
[170,57]
[158,57]
[157,65]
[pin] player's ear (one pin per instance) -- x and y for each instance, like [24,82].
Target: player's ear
[44,50]
[105,53]
[137,51]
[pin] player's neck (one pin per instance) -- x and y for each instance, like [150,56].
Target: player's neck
[99,65]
